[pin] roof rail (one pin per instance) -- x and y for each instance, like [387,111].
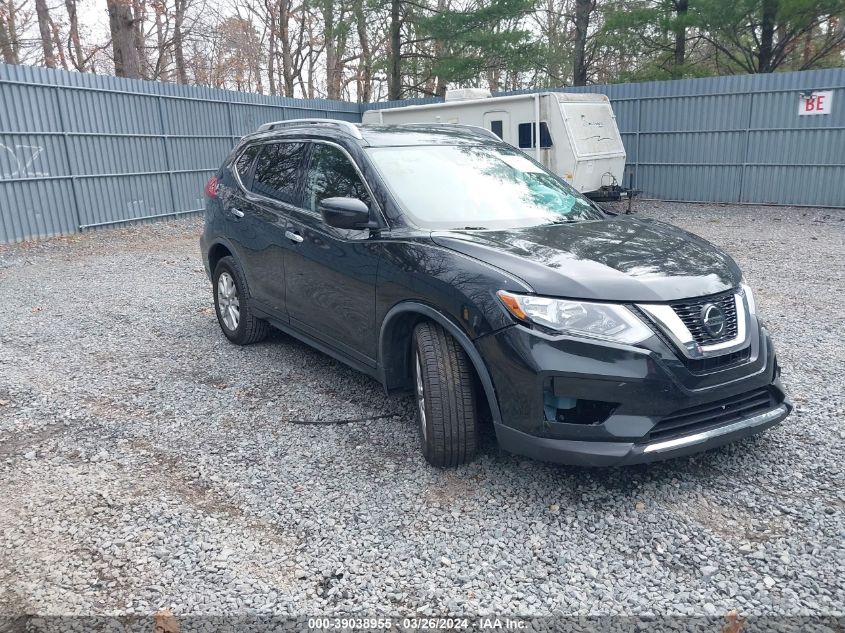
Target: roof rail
[475,128]
[346,126]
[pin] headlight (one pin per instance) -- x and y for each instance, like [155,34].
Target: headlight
[749,297]
[578,318]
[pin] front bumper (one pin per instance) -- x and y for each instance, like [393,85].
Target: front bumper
[647,386]
[585,453]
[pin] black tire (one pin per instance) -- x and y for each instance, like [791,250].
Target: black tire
[248,329]
[449,429]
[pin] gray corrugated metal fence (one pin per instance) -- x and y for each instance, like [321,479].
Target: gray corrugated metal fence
[80,150]
[729,139]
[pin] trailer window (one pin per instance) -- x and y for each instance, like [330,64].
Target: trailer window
[526,136]
[496,128]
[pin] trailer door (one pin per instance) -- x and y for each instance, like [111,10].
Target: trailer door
[499,122]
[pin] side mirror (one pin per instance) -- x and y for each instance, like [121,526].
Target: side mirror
[345,213]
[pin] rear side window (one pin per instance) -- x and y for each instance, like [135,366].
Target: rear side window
[332,175]
[526,135]
[244,163]
[277,171]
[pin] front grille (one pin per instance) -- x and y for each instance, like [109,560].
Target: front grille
[689,312]
[713,414]
[717,363]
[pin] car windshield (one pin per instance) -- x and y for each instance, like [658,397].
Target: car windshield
[477,187]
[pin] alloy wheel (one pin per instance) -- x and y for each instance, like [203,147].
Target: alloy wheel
[228,302]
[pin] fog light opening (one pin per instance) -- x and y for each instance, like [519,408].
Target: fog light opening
[569,410]
[553,404]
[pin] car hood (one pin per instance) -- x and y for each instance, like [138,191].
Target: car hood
[620,259]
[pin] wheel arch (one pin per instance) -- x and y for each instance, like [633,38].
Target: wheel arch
[216,252]
[394,348]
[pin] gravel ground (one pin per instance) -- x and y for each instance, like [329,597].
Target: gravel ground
[145,462]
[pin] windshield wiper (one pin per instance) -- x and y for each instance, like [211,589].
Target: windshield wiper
[472,228]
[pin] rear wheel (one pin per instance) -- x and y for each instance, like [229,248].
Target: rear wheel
[233,305]
[445,398]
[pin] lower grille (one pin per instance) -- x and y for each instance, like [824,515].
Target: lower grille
[715,363]
[713,414]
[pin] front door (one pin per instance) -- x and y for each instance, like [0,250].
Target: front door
[331,273]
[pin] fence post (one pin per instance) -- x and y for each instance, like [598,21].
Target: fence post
[167,160]
[747,143]
[231,123]
[77,211]
[639,128]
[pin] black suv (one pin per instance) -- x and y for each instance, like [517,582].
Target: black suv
[444,262]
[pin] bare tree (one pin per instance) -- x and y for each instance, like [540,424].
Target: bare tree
[77,56]
[334,15]
[57,42]
[364,76]
[285,14]
[551,18]
[139,11]
[272,10]
[46,33]
[179,40]
[8,33]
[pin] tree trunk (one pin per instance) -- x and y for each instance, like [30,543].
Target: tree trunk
[76,44]
[582,23]
[681,7]
[179,42]
[138,12]
[7,35]
[162,69]
[394,83]
[12,24]
[767,36]
[124,48]
[553,38]
[365,66]
[57,41]
[271,7]
[441,48]
[46,34]
[332,54]
[287,55]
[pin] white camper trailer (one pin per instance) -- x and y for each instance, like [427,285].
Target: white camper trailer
[579,139]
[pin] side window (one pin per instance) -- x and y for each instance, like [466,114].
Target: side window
[244,162]
[277,171]
[331,175]
[526,134]
[496,128]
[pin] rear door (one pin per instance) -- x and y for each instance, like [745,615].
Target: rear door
[331,273]
[239,218]
[274,190]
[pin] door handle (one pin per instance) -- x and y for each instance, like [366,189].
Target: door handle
[236,212]
[294,237]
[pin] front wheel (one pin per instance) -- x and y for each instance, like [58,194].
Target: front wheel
[443,386]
